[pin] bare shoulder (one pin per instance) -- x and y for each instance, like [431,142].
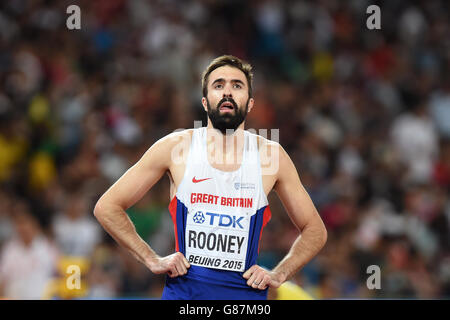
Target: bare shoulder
[172,140]
[175,137]
[266,144]
[174,144]
[271,155]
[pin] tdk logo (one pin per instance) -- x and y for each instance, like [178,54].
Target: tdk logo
[224,220]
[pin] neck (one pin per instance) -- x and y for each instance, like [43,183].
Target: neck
[28,240]
[238,133]
[231,144]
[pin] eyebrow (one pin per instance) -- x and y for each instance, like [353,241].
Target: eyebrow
[233,81]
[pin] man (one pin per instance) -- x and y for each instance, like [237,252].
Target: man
[28,260]
[220,176]
[75,232]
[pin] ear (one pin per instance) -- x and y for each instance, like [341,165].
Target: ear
[251,102]
[205,104]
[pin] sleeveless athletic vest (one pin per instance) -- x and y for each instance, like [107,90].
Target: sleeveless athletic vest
[219,216]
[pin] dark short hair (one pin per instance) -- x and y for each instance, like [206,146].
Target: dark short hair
[228,60]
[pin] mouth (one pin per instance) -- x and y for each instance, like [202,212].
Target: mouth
[226,107]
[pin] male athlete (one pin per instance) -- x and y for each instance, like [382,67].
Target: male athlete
[220,177]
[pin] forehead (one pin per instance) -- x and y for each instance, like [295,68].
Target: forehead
[227,73]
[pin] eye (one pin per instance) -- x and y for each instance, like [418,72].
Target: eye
[237,86]
[218,86]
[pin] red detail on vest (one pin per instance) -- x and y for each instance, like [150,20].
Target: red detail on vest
[199,180]
[173,214]
[267,214]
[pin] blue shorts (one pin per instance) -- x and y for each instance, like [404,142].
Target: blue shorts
[183,288]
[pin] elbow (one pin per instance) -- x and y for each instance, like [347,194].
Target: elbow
[105,209]
[324,236]
[99,209]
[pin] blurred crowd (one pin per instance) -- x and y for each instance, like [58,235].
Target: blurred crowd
[364,114]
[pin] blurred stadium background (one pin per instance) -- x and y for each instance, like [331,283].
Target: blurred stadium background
[364,114]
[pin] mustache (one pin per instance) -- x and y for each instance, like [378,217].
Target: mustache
[235,106]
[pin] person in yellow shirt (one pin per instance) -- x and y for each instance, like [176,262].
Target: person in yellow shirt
[289,291]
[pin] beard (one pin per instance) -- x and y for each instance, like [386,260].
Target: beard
[227,120]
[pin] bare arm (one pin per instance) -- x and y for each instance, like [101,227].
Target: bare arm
[125,192]
[305,217]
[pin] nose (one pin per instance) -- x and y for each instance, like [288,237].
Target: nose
[227,96]
[227,92]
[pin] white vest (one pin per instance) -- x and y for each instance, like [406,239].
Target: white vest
[219,216]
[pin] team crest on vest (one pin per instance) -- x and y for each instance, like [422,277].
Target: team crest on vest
[239,185]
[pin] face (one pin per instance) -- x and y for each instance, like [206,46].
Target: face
[227,102]
[25,226]
[76,206]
